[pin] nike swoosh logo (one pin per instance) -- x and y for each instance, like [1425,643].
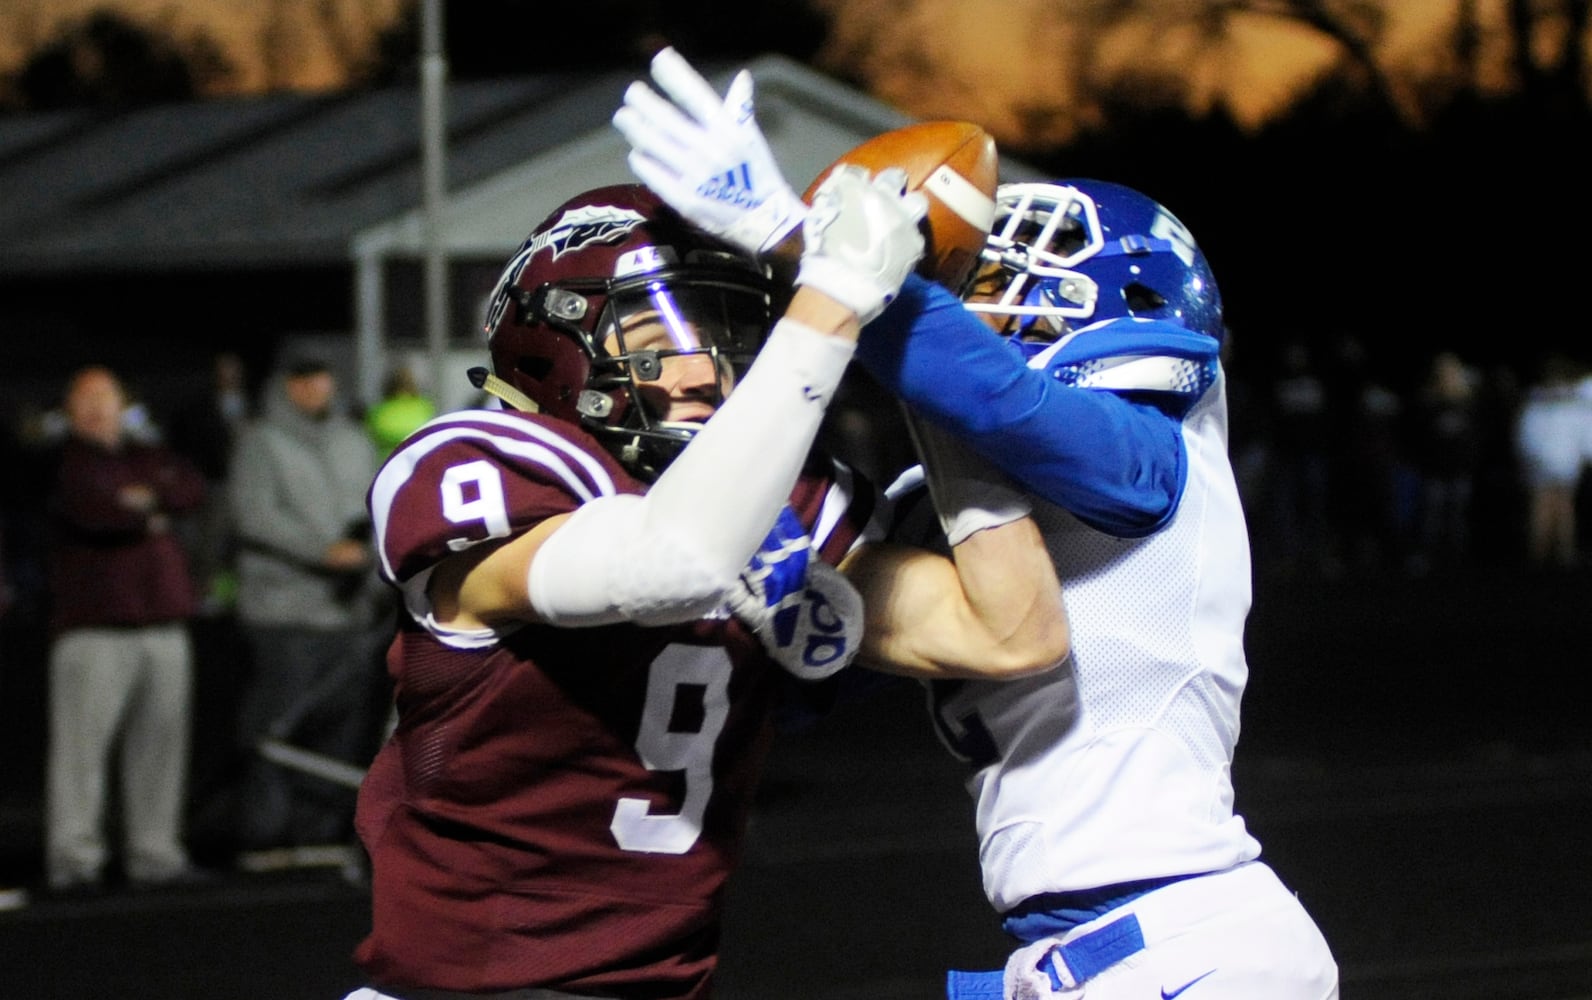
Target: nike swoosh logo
[1165,995]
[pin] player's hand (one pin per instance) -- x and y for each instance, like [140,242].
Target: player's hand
[862,238]
[805,613]
[708,158]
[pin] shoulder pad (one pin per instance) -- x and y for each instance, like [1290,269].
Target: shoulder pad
[478,475]
[1133,355]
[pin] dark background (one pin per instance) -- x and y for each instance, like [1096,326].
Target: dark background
[1414,759]
[1415,754]
[1452,219]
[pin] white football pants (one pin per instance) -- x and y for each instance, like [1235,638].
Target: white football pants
[1233,935]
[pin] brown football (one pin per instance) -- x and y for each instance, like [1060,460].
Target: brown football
[955,164]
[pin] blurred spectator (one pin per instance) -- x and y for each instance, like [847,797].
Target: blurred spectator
[138,422]
[204,428]
[400,412]
[11,897]
[1446,439]
[1369,510]
[29,460]
[306,590]
[1550,436]
[1498,519]
[1300,437]
[120,669]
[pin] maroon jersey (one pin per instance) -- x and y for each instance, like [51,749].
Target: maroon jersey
[111,566]
[558,807]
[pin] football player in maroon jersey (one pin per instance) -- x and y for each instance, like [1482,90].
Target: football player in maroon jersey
[597,609]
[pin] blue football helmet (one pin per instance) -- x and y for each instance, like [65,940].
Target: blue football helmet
[1068,256]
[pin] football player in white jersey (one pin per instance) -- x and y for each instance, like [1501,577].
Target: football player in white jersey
[1087,367]
[1108,838]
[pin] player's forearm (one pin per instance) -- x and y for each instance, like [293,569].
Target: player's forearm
[1012,601]
[817,311]
[995,613]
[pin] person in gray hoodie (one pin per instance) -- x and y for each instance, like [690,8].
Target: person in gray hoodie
[307,603]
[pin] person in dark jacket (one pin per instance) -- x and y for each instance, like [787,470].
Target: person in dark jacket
[121,663]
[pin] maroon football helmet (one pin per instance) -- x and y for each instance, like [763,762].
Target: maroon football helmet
[607,262]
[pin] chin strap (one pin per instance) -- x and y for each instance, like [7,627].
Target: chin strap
[492,385]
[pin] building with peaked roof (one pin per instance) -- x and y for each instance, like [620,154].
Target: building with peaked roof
[152,238]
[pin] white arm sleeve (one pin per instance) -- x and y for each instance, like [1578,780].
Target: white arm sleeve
[674,554]
[969,493]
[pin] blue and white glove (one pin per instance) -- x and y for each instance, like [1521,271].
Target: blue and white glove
[861,238]
[707,158]
[805,613]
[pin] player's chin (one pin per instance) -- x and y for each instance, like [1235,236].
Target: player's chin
[690,416]
[683,429]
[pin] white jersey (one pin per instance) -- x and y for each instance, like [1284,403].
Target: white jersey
[1116,767]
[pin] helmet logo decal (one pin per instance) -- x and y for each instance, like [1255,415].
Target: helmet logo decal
[574,230]
[643,259]
[584,226]
[1174,232]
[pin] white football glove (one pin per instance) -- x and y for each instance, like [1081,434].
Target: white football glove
[706,158]
[862,238]
[805,613]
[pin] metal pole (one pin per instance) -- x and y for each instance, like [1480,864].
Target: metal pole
[433,165]
[370,324]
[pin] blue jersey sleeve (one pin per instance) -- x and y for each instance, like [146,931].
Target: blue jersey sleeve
[1116,462]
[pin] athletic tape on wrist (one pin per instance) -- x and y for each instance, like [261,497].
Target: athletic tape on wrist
[969,494]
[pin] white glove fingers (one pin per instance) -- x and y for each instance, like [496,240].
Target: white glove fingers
[856,217]
[741,115]
[683,83]
[650,140]
[738,106]
[893,182]
[706,155]
[917,205]
[663,122]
